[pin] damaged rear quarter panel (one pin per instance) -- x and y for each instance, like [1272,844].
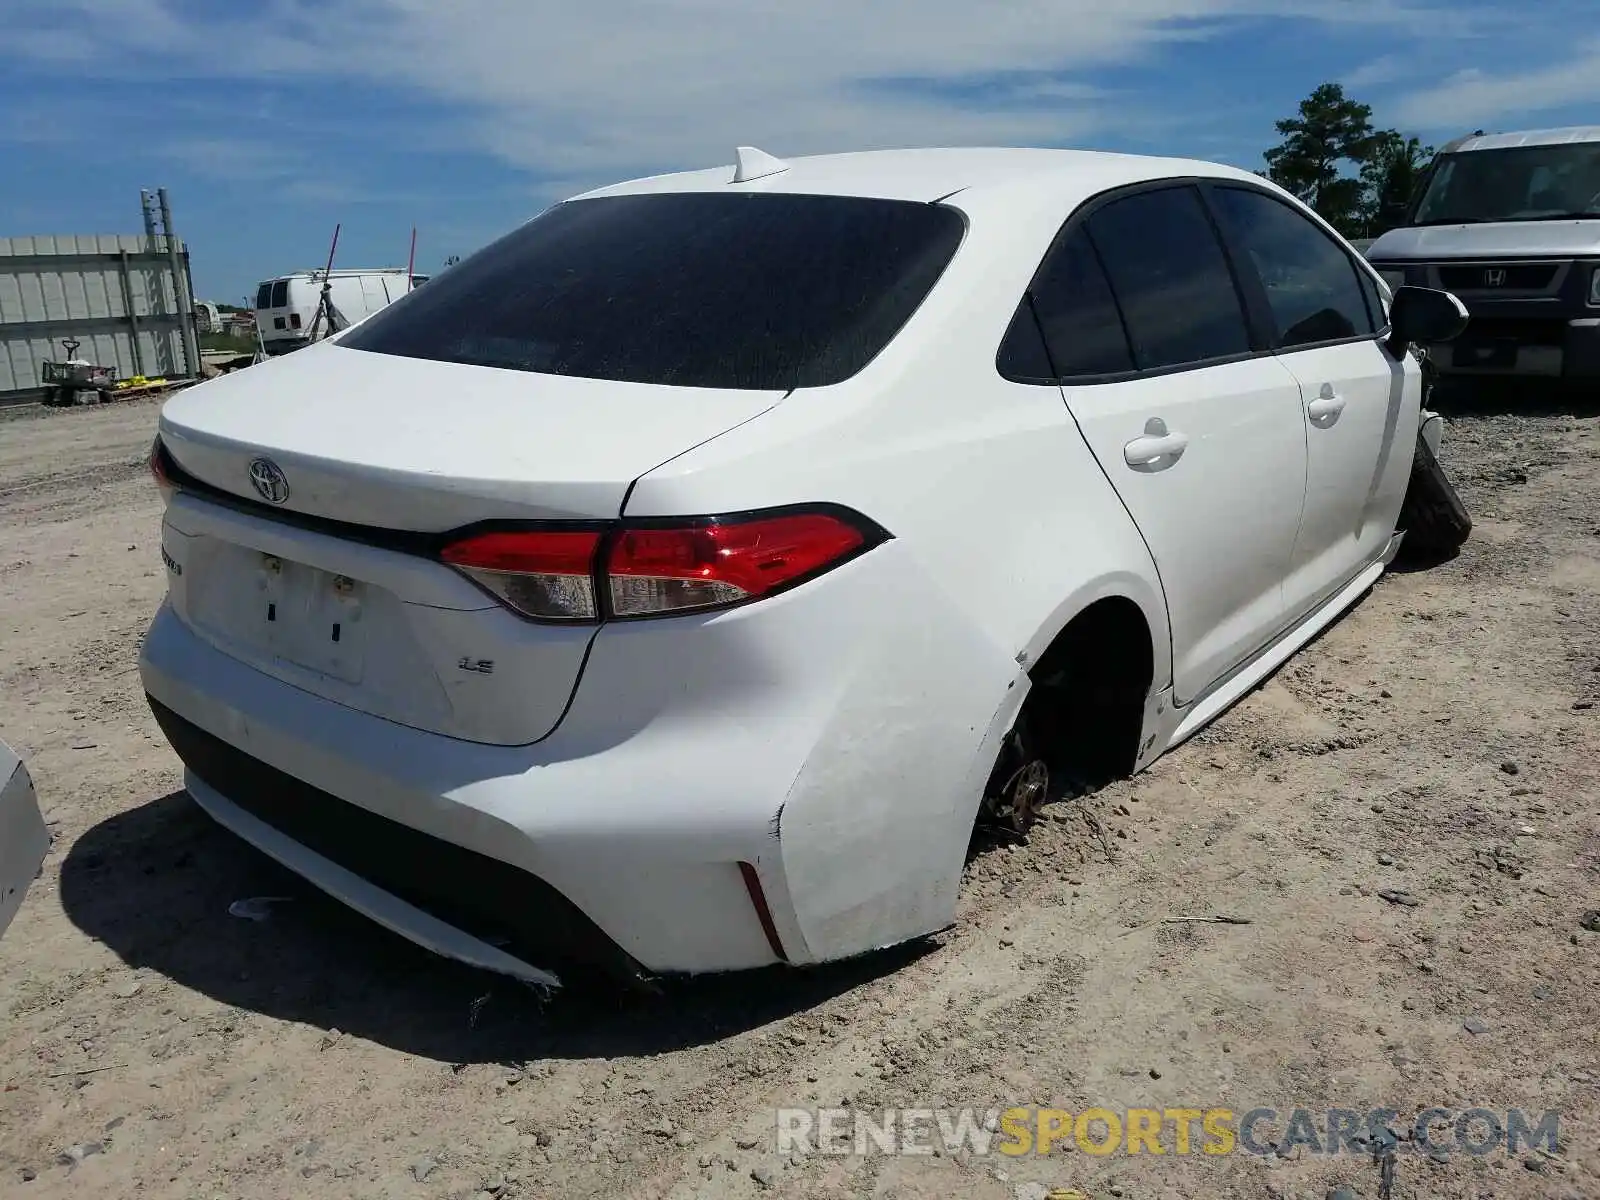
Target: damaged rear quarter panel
[875,827]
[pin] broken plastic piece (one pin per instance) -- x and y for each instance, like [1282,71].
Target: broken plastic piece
[756,164]
[256,908]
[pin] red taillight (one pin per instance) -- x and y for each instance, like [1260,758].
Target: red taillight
[542,573]
[703,566]
[158,469]
[651,570]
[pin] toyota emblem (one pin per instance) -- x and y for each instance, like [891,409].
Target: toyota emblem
[268,480]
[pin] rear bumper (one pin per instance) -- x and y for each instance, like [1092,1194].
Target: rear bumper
[819,744]
[453,901]
[24,840]
[495,841]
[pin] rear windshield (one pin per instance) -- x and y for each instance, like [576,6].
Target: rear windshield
[759,291]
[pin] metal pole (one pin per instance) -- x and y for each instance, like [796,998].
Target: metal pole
[149,219]
[154,289]
[180,288]
[133,317]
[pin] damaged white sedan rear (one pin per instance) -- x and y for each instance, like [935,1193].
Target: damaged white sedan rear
[670,586]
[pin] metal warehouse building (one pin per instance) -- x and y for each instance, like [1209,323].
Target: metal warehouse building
[125,298]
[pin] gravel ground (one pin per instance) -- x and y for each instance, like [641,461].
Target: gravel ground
[1406,814]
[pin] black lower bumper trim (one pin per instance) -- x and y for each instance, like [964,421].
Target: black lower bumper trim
[478,895]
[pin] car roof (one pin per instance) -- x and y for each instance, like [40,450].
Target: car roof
[1529,137]
[936,173]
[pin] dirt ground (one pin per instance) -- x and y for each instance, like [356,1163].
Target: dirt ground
[1438,743]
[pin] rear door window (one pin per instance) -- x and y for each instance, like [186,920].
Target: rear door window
[1312,285]
[280,294]
[701,289]
[1082,330]
[264,296]
[1171,278]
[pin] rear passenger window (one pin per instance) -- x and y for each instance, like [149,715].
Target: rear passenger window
[1311,283]
[1082,328]
[280,294]
[264,296]
[1171,278]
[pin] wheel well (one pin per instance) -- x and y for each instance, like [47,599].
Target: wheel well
[1089,688]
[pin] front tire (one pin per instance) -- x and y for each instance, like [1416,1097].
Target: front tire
[1433,518]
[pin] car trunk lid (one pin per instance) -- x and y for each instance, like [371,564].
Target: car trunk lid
[319,570]
[399,443]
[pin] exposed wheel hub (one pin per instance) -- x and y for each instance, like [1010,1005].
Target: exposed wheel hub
[1023,796]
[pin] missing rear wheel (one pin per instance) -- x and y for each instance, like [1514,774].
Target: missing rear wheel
[1018,786]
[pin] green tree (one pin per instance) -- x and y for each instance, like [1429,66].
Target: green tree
[1391,176]
[1330,135]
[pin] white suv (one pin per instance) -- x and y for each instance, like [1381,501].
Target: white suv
[669,586]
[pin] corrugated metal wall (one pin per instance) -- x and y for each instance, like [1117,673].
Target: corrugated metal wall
[114,293]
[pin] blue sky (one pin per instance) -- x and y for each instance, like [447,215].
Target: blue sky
[270,120]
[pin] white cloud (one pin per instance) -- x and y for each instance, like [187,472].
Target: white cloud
[585,91]
[1390,68]
[1474,97]
[234,159]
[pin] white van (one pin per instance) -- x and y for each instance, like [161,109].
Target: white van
[287,305]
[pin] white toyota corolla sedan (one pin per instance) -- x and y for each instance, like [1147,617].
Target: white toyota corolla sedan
[670,586]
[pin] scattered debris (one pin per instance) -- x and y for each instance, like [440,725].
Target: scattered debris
[72,1157]
[1590,920]
[1475,1025]
[422,1168]
[1393,896]
[1383,1155]
[1214,919]
[256,908]
[85,1071]
[1502,860]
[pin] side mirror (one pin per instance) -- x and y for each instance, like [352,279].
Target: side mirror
[1424,316]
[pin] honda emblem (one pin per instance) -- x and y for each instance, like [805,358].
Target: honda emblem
[1495,277]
